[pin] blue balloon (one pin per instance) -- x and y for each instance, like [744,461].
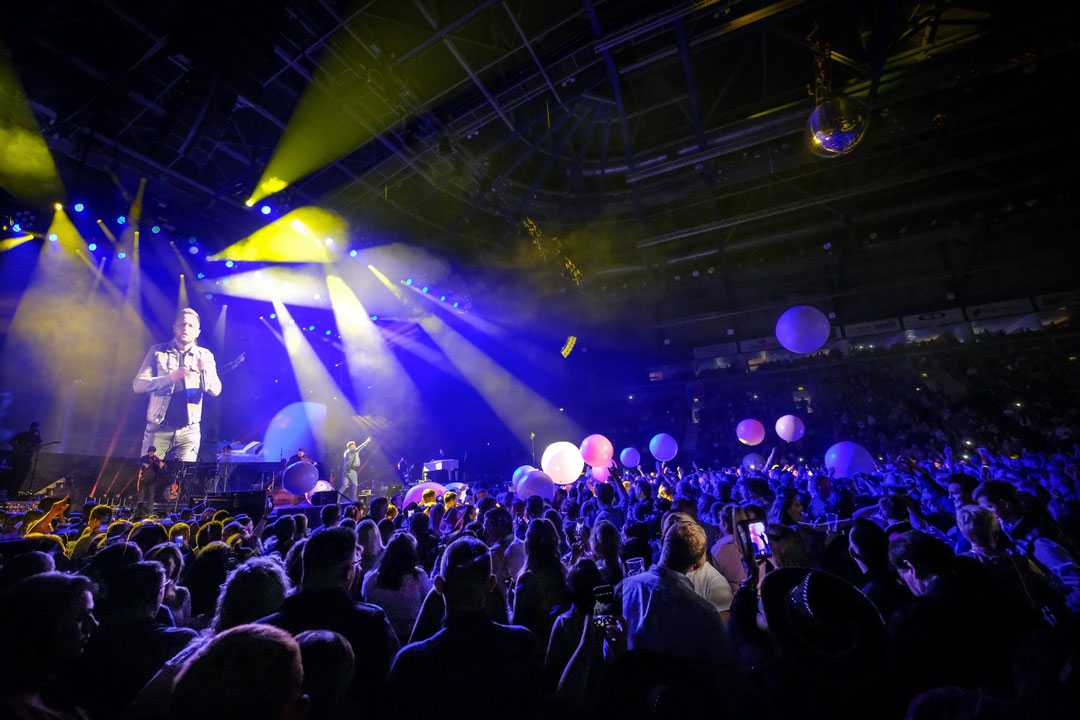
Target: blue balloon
[630,457]
[802,329]
[519,474]
[663,447]
[848,458]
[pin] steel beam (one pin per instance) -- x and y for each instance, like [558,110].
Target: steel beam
[731,26]
[865,189]
[532,53]
[465,66]
[442,32]
[691,86]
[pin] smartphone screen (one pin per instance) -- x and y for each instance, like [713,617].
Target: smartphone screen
[603,605]
[755,539]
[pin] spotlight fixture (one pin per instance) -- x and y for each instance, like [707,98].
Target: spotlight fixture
[352,253]
[156,229]
[16,227]
[92,247]
[273,316]
[121,255]
[121,219]
[408,281]
[58,207]
[374,318]
[200,276]
[229,263]
[79,207]
[193,250]
[265,209]
[53,237]
[424,289]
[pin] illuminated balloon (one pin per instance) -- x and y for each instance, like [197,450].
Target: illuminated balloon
[416,492]
[802,329]
[753,461]
[750,432]
[848,458]
[790,428]
[600,473]
[663,447]
[562,462]
[519,474]
[630,457]
[300,478]
[597,450]
[536,482]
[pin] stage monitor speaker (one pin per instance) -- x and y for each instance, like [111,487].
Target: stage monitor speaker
[252,504]
[324,497]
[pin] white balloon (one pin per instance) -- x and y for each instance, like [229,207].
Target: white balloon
[562,462]
[790,428]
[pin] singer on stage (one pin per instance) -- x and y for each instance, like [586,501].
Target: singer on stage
[350,466]
[177,375]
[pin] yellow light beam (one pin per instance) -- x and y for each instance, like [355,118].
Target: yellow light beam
[106,231]
[298,237]
[27,168]
[182,294]
[11,243]
[382,387]
[520,408]
[336,114]
[316,385]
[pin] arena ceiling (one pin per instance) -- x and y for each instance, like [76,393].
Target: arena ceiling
[656,141]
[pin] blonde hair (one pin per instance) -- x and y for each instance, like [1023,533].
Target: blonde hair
[978,525]
[188,311]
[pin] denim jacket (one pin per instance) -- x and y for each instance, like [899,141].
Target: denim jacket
[153,378]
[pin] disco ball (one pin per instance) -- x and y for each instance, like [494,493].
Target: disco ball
[836,126]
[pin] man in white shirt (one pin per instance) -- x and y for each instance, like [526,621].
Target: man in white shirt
[707,580]
[663,612]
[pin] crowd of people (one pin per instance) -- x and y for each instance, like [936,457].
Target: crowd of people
[944,584]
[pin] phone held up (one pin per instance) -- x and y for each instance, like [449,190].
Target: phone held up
[604,617]
[755,540]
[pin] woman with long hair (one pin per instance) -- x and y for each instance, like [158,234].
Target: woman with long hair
[398,584]
[541,585]
[370,540]
[606,545]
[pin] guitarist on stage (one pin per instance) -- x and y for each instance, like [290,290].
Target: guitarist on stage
[151,472]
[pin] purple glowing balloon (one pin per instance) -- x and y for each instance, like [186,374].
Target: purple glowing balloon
[750,432]
[802,329]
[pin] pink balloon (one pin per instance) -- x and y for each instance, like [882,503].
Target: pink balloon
[790,428]
[601,473]
[750,432]
[416,492]
[597,450]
